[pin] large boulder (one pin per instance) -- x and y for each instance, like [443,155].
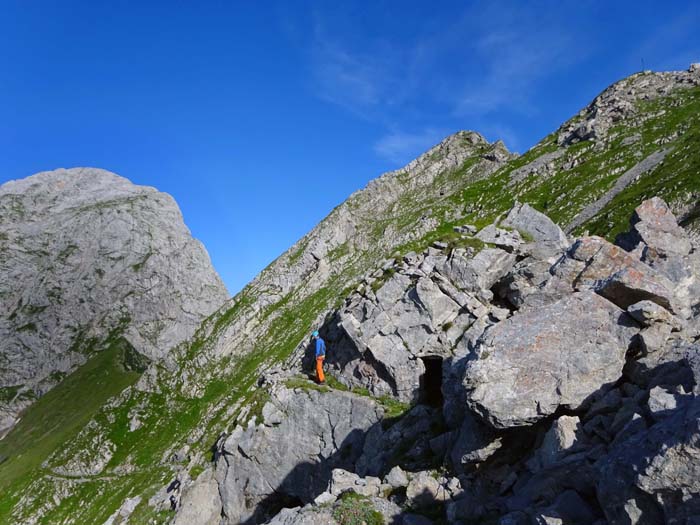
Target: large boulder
[654,225]
[662,244]
[616,275]
[262,467]
[201,503]
[654,476]
[547,235]
[479,273]
[528,366]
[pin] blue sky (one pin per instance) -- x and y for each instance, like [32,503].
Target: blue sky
[260,117]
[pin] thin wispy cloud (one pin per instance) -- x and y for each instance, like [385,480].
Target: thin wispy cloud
[355,76]
[347,80]
[482,67]
[399,147]
[514,57]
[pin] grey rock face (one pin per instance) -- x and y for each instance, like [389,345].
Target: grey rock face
[480,272]
[200,503]
[654,225]
[662,244]
[534,362]
[85,253]
[558,441]
[543,231]
[654,476]
[262,465]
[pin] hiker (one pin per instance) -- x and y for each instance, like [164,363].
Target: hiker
[320,356]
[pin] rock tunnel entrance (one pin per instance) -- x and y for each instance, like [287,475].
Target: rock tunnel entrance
[273,505]
[431,381]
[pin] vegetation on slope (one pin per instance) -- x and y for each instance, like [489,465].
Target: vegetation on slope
[59,415]
[205,396]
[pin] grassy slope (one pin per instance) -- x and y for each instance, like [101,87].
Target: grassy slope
[172,420]
[58,416]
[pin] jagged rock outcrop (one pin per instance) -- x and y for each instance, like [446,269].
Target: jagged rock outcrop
[546,472]
[566,418]
[421,312]
[87,256]
[290,454]
[618,103]
[528,366]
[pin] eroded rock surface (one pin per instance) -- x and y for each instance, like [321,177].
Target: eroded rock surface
[527,366]
[86,255]
[559,401]
[263,467]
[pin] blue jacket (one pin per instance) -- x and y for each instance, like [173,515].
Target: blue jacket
[320,347]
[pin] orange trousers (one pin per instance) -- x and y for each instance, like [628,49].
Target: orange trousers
[319,370]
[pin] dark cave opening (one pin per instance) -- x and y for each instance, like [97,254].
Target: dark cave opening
[273,505]
[431,381]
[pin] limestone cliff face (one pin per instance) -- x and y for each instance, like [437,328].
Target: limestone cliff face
[86,255]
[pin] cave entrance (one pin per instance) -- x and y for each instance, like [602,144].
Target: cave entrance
[431,381]
[273,505]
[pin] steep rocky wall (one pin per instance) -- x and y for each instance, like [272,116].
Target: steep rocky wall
[581,410]
[86,256]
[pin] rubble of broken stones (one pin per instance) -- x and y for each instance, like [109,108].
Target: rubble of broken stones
[567,374]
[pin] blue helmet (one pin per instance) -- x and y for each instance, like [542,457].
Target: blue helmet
[315,333]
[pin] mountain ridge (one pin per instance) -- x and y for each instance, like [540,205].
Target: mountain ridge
[263,328]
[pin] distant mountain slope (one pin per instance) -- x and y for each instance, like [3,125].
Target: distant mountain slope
[86,256]
[634,141]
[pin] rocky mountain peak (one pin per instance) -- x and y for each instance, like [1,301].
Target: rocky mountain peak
[88,256]
[619,102]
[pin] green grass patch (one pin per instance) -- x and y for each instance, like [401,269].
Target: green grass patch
[333,383]
[196,470]
[354,509]
[63,411]
[7,394]
[305,384]
[296,254]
